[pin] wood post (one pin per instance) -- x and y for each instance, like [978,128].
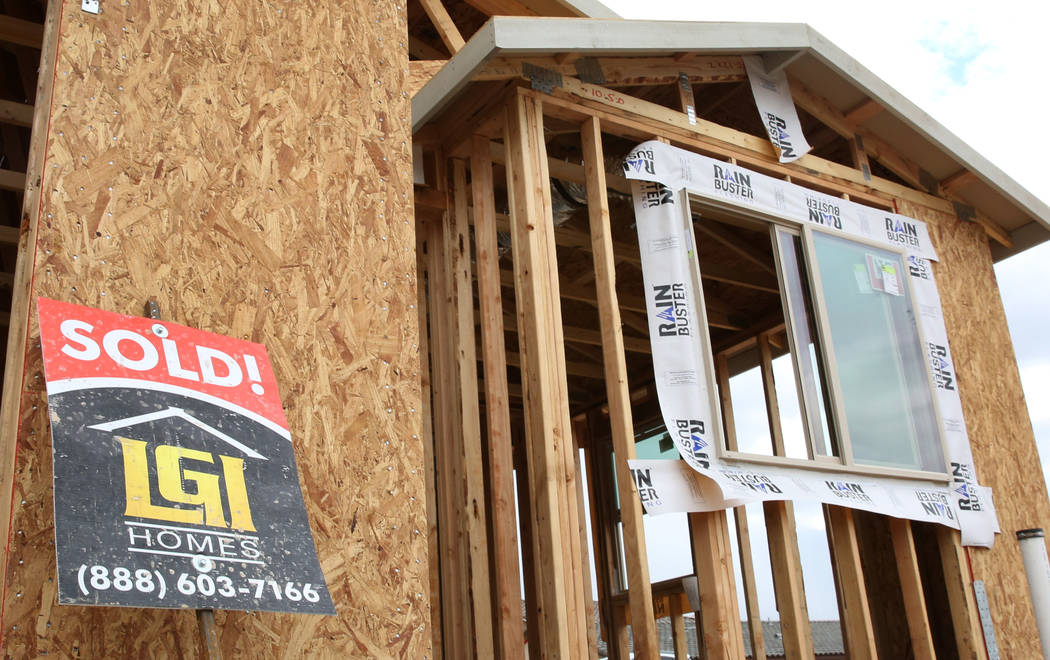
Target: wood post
[858,635]
[428,441]
[747,570]
[781,535]
[497,407]
[543,374]
[469,436]
[681,649]
[22,287]
[911,590]
[743,534]
[713,564]
[969,639]
[787,578]
[454,581]
[643,623]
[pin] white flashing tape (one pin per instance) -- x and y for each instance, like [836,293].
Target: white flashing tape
[777,110]
[683,379]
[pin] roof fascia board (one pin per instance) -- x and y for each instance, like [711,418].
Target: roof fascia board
[917,119]
[525,36]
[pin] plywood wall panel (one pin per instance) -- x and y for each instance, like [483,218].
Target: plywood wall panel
[247,166]
[997,419]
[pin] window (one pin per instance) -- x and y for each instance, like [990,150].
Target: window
[817,333]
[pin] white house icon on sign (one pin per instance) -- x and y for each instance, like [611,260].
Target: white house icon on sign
[180,414]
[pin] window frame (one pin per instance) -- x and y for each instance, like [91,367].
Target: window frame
[694,202]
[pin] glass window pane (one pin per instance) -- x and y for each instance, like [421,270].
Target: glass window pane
[880,363]
[749,413]
[810,367]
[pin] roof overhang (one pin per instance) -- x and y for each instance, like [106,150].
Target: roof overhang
[797,48]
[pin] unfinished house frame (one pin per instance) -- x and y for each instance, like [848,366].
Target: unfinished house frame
[538,350]
[465,362]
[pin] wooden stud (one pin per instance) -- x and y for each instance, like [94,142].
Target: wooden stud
[21,291]
[529,552]
[546,413]
[497,405]
[911,590]
[713,565]
[470,432]
[743,534]
[781,535]
[592,634]
[770,390]
[969,639]
[681,648]
[428,444]
[603,523]
[643,625]
[787,577]
[859,636]
[446,29]
[454,581]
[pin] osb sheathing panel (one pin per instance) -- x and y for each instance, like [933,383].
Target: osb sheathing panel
[246,165]
[997,419]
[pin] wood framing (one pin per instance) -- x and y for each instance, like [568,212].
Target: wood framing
[457,249]
[463,342]
[911,589]
[547,415]
[643,622]
[497,407]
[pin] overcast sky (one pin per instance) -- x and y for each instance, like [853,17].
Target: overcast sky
[972,66]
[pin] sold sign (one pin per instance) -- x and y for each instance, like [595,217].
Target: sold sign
[175,476]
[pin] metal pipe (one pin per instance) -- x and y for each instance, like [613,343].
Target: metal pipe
[1037,568]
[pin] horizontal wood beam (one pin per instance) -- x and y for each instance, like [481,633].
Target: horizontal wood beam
[586,336]
[580,369]
[960,179]
[18,114]
[627,71]
[559,169]
[14,181]
[632,117]
[8,235]
[864,111]
[24,33]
